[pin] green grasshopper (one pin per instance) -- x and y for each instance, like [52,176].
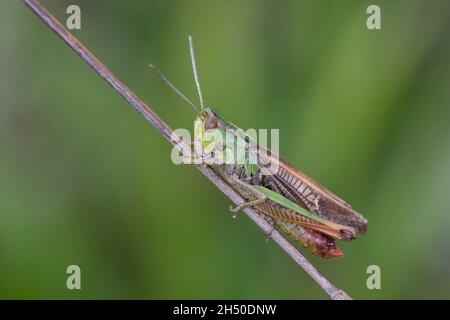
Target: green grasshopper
[298,206]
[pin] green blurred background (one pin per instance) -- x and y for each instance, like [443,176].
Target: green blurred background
[85,180]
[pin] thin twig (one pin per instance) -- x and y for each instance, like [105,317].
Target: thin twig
[166,131]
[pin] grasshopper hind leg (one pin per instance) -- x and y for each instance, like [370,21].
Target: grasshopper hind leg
[254,197]
[247,204]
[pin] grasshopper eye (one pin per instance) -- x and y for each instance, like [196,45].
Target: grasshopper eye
[211,122]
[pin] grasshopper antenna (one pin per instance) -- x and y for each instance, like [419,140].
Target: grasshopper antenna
[194,67]
[163,77]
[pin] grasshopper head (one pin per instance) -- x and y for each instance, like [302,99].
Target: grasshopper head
[208,119]
[208,129]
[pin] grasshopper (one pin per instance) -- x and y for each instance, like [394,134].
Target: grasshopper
[298,206]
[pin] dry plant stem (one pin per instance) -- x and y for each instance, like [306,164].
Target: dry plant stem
[166,131]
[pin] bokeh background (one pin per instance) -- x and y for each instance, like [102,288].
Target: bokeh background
[85,180]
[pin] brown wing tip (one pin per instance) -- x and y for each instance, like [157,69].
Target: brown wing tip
[362,227]
[365,224]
